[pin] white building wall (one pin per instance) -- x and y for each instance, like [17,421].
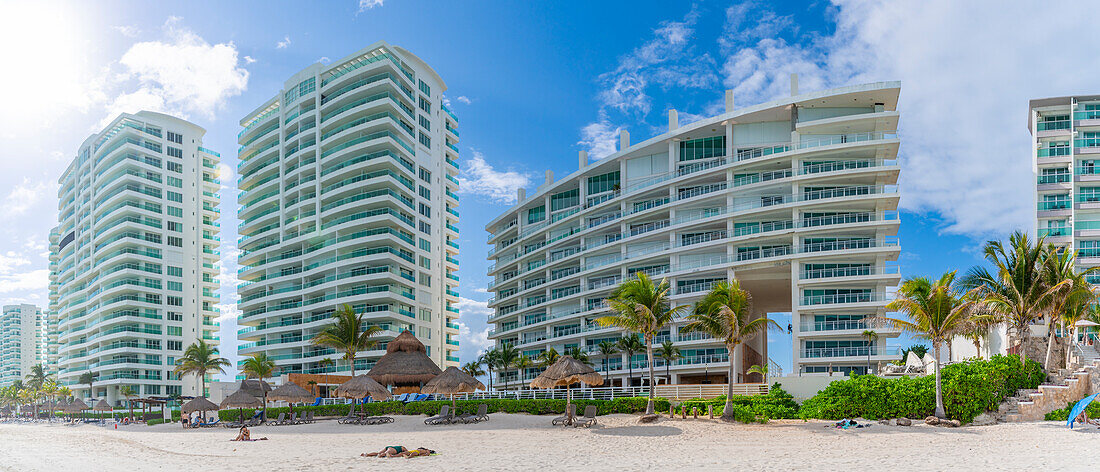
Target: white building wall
[20,341]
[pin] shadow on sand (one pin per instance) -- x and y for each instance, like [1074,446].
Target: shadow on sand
[639,431]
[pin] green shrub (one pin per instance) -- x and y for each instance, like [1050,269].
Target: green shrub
[1093,410]
[776,404]
[968,390]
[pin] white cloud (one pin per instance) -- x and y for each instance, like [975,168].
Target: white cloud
[365,5]
[473,341]
[180,75]
[285,43]
[130,31]
[248,60]
[324,60]
[10,261]
[480,178]
[28,281]
[463,99]
[600,138]
[23,197]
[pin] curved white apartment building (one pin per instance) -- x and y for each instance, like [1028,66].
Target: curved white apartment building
[794,197]
[348,196]
[135,256]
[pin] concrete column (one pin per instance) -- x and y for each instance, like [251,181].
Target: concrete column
[582,159]
[673,120]
[729,100]
[624,140]
[794,84]
[729,140]
[521,195]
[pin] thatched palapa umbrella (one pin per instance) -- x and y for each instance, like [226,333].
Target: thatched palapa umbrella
[102,405]
[291,393]
[567,371]
[77,406]
[241,400]
[360,387]
[452,381]
[198,404]
[406,363]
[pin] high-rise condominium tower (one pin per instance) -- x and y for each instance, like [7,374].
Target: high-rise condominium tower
[795,198]
[135,256]
[348,197]
[22,341]
[1065,135]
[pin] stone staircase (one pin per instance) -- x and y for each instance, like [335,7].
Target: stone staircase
[1064,386]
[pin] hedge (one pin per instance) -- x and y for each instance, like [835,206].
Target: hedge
[776,404]
[1093,411]
[968,390]
[495,405]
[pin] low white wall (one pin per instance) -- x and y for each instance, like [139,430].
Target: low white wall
[804,386]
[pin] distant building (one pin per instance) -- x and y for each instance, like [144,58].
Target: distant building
[22,341]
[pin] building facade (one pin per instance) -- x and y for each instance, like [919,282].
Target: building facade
[348,196]
[135,256]
[22,341]
[795,198]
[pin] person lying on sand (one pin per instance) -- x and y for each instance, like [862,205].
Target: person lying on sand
[1083,418]
[245,435]
[400,451]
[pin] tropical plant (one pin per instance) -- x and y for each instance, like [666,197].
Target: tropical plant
[870,335]
[607,349]
[259,367]
[313,390]
[1060,269]
[759,369]
[521,364]
[630,345]
[324,364]
[201,358]
[128,392]
[473,369]
[579,354]
[936,311]
[548,357]
[489,360]
[1016,290]
[37,377]
[642,307]
[507,355]
[89,379]
[725,313]
[347,333]
[668,353]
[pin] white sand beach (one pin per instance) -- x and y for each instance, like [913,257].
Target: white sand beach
[523,442]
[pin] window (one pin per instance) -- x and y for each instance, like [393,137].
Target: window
[702,148]
[175,241]
[425,245]
[175,137]
[425,280]
[564,200]
[425,175]
[425,314]
[175,271]
[424,192]
[175,315]
[174,152]
[425,227]
[175,211]
[425,105]
[153,237]
[425,210]
[175,197]
[425,88]
[425,140]
[174,330]
[175,286]
[175,167]
[175,182]
[175,301]
[603,183]
[425,123]
[175,345]
[175,226]
[536,214]
[425,262]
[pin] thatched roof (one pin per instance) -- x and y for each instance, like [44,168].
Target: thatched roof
[198,404]
[102,405]
[290,392]
[241,399]
[567,371]
[253,387]
[76,406]
[360,386]
[453,380]
[406,362]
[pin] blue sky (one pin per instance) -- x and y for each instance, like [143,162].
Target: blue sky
[533,83]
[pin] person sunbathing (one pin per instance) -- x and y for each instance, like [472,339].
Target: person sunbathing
[400,451]
[246,435]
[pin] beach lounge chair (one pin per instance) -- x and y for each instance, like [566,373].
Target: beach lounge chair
[308,417]
[588,419]
[481,415]
[210,424]
[444,416]
[373,420]
[294,419]
[568,417]
[280,420]
[348,419]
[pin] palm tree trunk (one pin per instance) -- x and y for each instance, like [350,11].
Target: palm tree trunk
[1024,333]
[630,369]
[351,363]
[727,411]
[490,367]
[1050,346]
[649,356]
[940,413]
[978,347]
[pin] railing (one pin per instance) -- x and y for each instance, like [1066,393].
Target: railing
[601,393]
[859,351]
[689,391]
[835,325]
[841,298]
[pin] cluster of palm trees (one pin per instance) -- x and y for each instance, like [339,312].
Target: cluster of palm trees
[1029,282]
[38,387]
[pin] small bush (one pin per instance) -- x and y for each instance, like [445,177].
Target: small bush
[776,404]
[1093,410]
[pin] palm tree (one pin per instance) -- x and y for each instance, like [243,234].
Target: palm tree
[259,367]
[521,364]
[489,360]
[473,369]
[347,333]
[1016,291]
[313,387]
[936,312]
[49,390]
[630,345]
[669,353]
[759,369]
[871,335]
[324,364]
[639,306]
[200,359]
[607,348]
[1060,267]
[548,357]
[37,377]
[579,354]
[506,357]
[128,392]
[88,378]
[725,313]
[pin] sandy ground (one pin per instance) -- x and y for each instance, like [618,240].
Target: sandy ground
[523,442]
